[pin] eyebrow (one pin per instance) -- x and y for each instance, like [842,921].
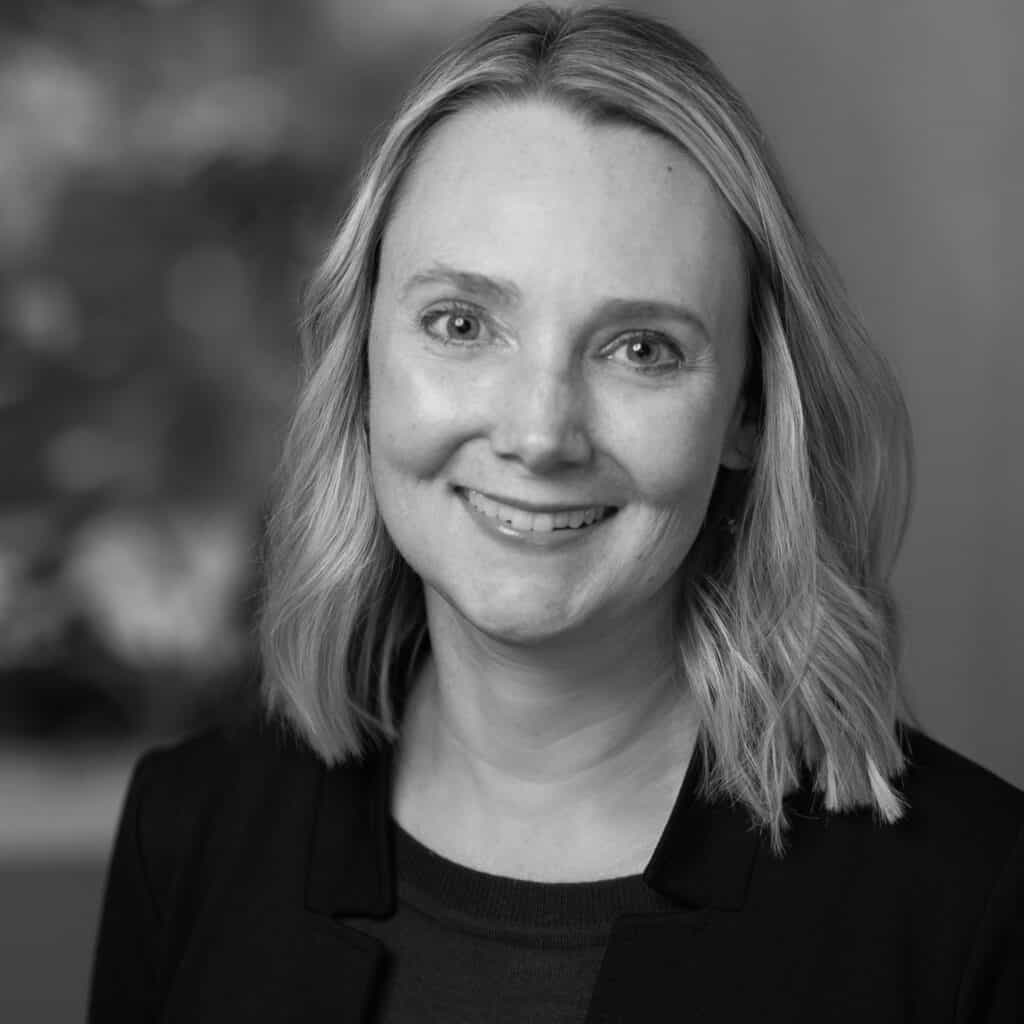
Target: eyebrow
[506,293]
[495,289]
[650,309]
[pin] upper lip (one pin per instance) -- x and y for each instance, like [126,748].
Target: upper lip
[538,507]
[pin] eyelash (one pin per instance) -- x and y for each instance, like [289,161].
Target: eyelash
[456,309]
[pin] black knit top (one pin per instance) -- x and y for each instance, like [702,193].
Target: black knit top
[467,946]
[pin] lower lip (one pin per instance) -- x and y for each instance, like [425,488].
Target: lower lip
[540,539]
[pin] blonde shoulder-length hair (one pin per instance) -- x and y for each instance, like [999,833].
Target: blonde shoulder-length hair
[787,632]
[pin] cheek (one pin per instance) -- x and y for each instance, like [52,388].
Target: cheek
[674,478]
[412,415]
[673,456]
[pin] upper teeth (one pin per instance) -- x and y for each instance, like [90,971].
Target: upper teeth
[534,522]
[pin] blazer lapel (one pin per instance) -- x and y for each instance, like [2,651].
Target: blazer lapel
[656,963]
[351,863]
[706,853]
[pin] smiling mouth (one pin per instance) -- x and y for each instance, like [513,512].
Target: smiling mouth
[525,521]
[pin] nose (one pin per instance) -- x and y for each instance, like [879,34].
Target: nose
[541,419]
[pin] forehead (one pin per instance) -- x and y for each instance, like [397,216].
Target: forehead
[532,191]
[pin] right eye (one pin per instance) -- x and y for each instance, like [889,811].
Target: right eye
[454,324]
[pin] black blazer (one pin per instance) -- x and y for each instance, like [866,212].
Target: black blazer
[236,858]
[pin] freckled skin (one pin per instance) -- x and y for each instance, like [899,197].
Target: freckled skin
[538,409]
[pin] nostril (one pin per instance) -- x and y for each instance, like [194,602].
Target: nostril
[538,449]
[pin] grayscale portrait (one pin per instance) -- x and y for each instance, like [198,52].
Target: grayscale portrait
[564,618]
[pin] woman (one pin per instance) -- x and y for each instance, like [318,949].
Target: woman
[579,650]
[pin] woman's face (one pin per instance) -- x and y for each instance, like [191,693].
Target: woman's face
[556,354]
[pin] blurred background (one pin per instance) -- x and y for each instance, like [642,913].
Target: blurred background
[170,170]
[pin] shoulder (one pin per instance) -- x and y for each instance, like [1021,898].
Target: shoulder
[182,776]
[180,779]
[957,846]
[186,777]
[955,805]
[931,764]
[959,849]
[947,799]
[182,796]
[192,770]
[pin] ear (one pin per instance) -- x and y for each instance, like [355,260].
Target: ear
[740,447]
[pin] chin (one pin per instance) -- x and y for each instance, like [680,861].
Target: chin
[519,619]
[521,633]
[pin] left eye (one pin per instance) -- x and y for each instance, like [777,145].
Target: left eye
[454,325]
[647,353]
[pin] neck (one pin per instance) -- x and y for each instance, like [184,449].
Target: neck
[582,741]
